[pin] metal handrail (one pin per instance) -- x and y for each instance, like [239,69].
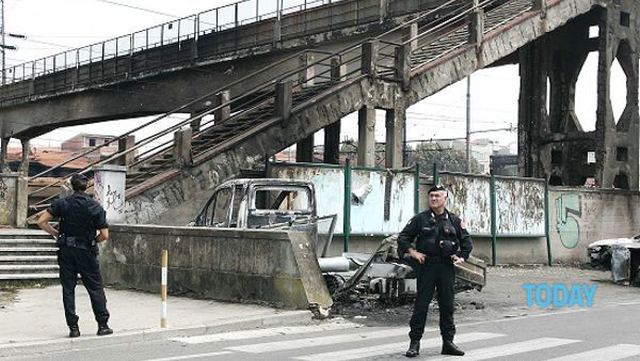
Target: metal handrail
[196,29]
[176,110]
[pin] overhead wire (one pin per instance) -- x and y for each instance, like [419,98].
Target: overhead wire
[138,8]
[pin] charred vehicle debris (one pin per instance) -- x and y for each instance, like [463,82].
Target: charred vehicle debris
[274,203]
[620,255]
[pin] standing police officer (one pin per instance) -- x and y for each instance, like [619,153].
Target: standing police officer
[80,217]
[442,241]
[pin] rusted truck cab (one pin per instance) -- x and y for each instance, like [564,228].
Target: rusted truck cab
[258,203]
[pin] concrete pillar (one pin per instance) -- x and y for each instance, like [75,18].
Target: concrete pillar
[615,41]
[411,32]
[182,151]
[125,143]
[370,57]
[195,122]
[332,143]
[225,112]
[284,99]
[338,70]
[532,117]
[554,145]
[540,5]
[306,76]
[366,137]
[109,187]
[384,9]
[4,160]
[395,122]
[13,200]
[24,162]
[403,65]
[476,27]
[277,33]
[304,150]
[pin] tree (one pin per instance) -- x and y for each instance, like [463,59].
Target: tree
[446,159]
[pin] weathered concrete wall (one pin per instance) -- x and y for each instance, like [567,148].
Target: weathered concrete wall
[581,216]
[577,217]
[13,200]
[222,264]
[370,192]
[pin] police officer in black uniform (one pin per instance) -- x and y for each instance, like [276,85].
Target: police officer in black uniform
[441,241]
[80,217]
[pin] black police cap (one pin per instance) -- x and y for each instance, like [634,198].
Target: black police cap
[437,188]
[79,177]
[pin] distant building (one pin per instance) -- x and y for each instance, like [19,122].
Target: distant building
[481,150]
[85,141]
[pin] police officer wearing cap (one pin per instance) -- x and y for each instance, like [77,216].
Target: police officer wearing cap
[441,241]
[81,217]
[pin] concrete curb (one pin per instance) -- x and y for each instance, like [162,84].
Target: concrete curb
[155,334]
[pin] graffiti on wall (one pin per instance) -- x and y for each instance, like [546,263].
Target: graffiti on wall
[3,189]
[114,200]
[568,211]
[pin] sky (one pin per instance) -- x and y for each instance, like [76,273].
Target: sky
[52,26]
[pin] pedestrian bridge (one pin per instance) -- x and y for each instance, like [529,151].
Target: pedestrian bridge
[261,85]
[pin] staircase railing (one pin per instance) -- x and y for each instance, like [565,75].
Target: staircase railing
[171,32]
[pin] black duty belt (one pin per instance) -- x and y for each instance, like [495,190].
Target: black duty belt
[437,259]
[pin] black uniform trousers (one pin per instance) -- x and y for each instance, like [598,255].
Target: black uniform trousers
[72,261]
[431,276]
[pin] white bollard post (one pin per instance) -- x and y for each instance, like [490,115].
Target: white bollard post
[163,287]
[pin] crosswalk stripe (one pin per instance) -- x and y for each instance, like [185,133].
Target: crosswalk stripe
[513,348]
[610,353]
[319,341]
[392,348]
[266,332]
[186,357]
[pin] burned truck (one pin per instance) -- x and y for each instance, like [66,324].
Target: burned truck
[274,203]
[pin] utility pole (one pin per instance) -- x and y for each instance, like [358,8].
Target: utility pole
[468,158]
[3,46]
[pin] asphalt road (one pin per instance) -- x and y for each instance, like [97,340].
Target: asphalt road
[605,332]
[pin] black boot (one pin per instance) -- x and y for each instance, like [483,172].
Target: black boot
[414,349]
[74,331]
[450,348]
[103,329]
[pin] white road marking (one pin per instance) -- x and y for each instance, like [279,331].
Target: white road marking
[265,332]
[393,348]
[513,348]
[187,357]
[319,341]
[610,353]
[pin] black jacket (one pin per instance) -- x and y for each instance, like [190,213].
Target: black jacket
[430,229]
[80,216]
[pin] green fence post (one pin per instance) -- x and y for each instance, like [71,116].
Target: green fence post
[436,177]
[492,196]
[346,220]
[546,220]
[416,191]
